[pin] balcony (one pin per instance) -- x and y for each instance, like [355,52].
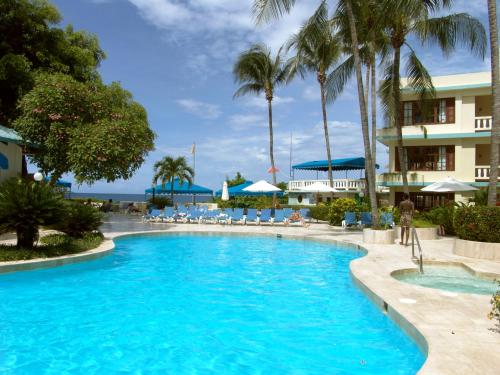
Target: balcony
[482,123]
[347,185]
[483,173]
[396,179]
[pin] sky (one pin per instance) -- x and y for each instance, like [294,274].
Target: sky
[176,58]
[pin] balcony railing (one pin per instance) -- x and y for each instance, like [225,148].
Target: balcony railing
[483,123]
[396,179]
[483,172]
[339,184]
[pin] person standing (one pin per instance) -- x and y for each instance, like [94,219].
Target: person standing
[407,210]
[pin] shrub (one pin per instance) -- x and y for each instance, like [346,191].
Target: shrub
[79,220]
[338,207]
[25,205]
[160,202]
[477,223]
[495,303]
[320,212]
[259,202]
[442,215]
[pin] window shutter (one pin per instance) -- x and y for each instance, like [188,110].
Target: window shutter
[450,158]
[450,110]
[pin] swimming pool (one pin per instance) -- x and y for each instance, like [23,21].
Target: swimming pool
[452,278]
[192,304]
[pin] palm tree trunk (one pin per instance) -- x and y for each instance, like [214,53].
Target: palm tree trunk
[369,168]
[495,83]
[327,136]
[172,190]
[271,144]
[374,111]
[397,118]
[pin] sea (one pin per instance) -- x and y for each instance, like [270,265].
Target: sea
[137,197]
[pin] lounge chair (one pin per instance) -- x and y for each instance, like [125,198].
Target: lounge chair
[236,216]
[251,216]
[168,214]
[265,216]
[305,214]
[349,219]
[152,215]
[279,217]
[287,212]
[387,218]
[366,219]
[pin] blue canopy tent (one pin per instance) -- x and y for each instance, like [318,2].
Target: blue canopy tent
[237,191]
[4,162]
[62,183]
[179,189]
[343,164]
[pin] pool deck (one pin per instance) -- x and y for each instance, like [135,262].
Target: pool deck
[452,328]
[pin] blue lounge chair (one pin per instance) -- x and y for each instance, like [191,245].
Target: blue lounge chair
[152,215]
[265,216]
[279,217]
[287,212]
[366,219]
[387,218]
[304,213]
[251,216]
[349,219]
[236,216]
[168,214]
[210,216]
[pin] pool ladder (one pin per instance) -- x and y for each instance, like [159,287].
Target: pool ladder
[414,237]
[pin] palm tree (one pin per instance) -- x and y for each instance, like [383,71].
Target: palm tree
[259,72]
[495,84]
[317,49]
[405,18]
[169,169]
[369,167]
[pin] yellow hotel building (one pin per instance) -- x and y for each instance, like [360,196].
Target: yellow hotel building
[450,138]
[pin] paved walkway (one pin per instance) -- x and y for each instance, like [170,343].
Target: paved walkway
[451,327]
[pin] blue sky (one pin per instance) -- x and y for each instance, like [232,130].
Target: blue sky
[176,58]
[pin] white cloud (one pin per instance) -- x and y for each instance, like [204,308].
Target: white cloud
[261,102]
[201,109]
[311,93]
[246,121]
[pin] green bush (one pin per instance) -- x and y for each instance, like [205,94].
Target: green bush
[442,215]
[338,207]
[25,205]
[259,202]
[79,220]
[320,212]
[160,202]
[477,223]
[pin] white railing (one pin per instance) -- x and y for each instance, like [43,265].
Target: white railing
[397,179]
[339,184]
[483,172]
[482,123]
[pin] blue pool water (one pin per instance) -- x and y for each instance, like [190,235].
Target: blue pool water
[450,278]
[200,305]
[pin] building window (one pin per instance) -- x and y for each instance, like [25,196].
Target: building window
[428,158]
[440,111]
[408,113]
[426,201]
[300,198]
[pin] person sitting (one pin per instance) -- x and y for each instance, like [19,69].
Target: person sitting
[132,209]
[108,206]
[295,216]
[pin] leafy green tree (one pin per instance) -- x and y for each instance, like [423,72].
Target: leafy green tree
[282,185]
[87,128]
[413,18]
[30,42]
[26,205]
[317,49]
[169,169]
[495,83]
[259,72]
[237,180]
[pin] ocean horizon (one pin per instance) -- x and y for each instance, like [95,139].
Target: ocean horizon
[136,197]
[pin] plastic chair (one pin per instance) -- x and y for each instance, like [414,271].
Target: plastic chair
[366,219]
[349,219]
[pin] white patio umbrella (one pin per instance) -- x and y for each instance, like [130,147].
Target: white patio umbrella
[261,187]
[225,192]
[318,187]
[448,185]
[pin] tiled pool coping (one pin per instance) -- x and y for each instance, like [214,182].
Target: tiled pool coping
[452,331]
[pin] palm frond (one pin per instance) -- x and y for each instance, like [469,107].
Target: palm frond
[266,10]
[419,79]
[385,92]
[248,88]
[452,30]
[338,78]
